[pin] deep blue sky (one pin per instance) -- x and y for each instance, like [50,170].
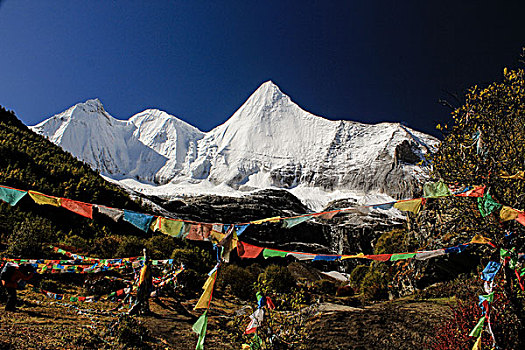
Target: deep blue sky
[369,61]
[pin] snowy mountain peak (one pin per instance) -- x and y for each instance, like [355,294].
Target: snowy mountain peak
[268,142]
[91,106]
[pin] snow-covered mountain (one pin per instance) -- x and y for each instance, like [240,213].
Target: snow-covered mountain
[269,142]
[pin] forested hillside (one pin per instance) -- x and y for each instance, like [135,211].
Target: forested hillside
[28,161]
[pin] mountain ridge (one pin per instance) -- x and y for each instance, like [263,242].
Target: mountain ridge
[269,142]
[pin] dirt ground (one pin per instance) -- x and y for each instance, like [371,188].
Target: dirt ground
[42,323]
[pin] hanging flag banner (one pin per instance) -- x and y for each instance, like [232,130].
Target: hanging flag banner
[487,205]
[490,271]
[44,199]
[140,221]
[271,253]
[476,331]
[412,205]
[11,195]
[507,213]
[200,328]
[80,208]
[204,300]
[472,192]
[520,175]
[291,222]
[115,214]
[436,190]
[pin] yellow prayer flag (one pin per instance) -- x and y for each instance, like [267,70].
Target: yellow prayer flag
[480,239]
[360,255]
[204,300]
[477,344]
[507,213]
[274,219]
[520,175]
[41,198]
[169,226]
[413,205]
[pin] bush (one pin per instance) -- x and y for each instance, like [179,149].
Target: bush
[375,282]
[239,280]
[325,287]
[160,246]
[194,258]
[277,279]
[130,246]
[130,332]
[29,238]
[357,275]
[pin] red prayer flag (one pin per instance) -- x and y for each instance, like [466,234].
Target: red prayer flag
[246,250]
[379,257]
[81,208]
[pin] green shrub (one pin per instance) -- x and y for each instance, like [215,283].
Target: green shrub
[239,280]
[375,282]
[325,287]
[395,241]
[130,332]
[194,258]
[29,238]
[357,275]
[277,279]
[130,246]
[161,246]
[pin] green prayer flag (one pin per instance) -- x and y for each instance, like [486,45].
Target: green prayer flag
[476,332]
[10,195]
[287,223]
[200,328]
[488,297]
[435,189]
[270,253]
[487,205]
[396,257]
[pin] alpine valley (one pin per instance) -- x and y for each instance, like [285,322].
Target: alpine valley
[270,158]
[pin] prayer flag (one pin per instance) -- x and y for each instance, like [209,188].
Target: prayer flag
[403,256]
[413,205]
[490,271]
[239,229]
[475,192]
[270,253]
[477,344]
[481,240]
[457,249]
[81,208]
[140,221]
[507,213]
[476,332]
[327,257]
[520,175]
[200,328]
[385,206]
[246,250]
[328,215]
[10,195]
[423,255]
[487,205]
[41,198]
[273,219]
[379,257]
[435,190]
[170,227]
[204,300]
[291,222]
[302,256]
[115,214]
[521,217]
[360,255]
[255,321]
